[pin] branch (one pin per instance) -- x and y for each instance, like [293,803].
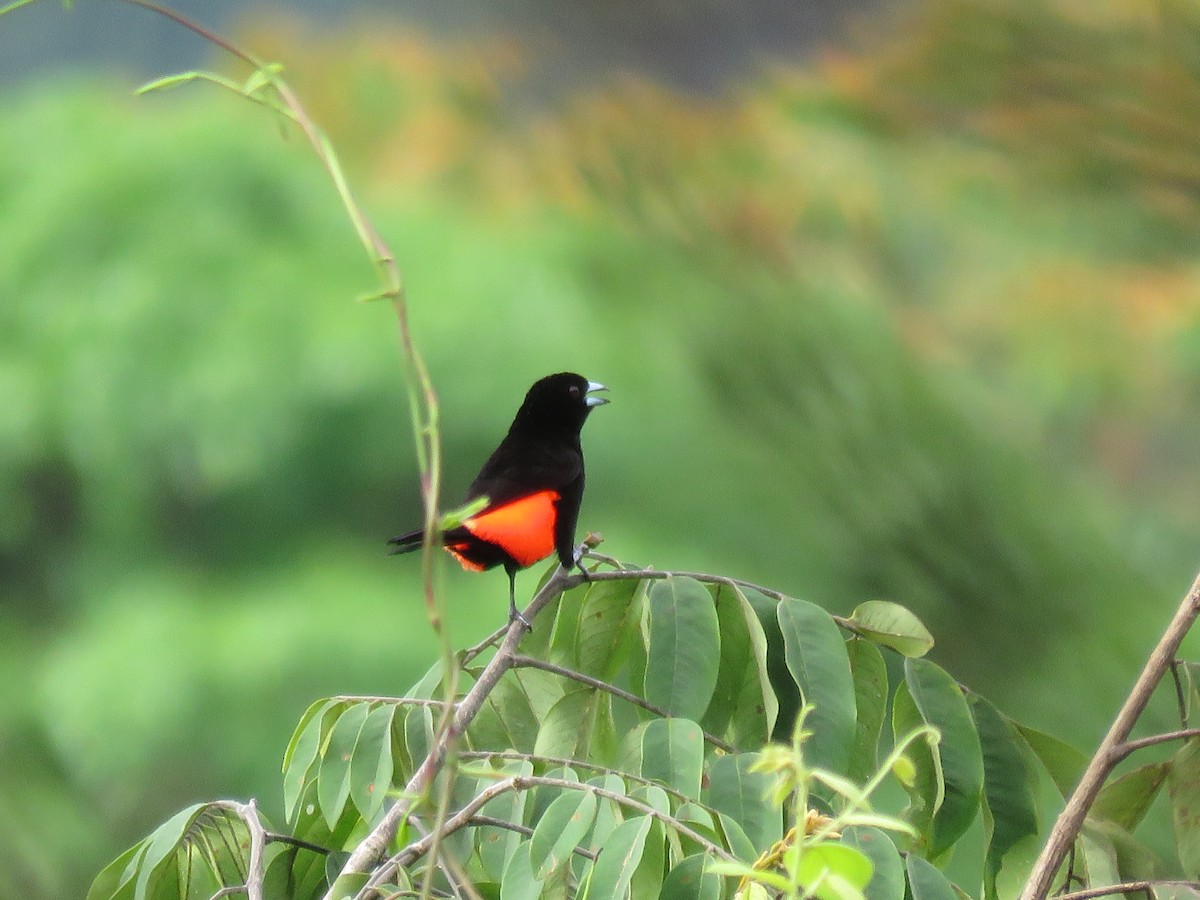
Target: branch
[1066,829]
[562,762]
[255,871]
[529,662]
[1126,887]
[706,578]
[1120,751]
[371,850]
[464,817]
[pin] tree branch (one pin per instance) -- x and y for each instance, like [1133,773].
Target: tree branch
[255,870]
[1066,829]
[464,816]
[372,848]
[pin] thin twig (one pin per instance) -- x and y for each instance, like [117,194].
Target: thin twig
[210,36]
[530,662]
[1126,887]
[471,652]
[1122,750]
[564,762]
[1066,829]
[273,837]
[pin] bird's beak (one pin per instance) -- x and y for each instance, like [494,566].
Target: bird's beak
[595,401]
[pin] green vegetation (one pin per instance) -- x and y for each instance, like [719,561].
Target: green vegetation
[864,343]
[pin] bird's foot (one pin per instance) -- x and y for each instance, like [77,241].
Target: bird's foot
[514,615]
[577,562]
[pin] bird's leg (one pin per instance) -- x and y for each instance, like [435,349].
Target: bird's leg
[514,614]
[577,562]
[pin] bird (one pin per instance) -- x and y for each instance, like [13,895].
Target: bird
[533,485]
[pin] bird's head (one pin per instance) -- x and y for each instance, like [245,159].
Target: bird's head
[559,403]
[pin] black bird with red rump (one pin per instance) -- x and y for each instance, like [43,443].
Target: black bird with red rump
[533,483]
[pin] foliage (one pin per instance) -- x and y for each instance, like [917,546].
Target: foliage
[608,761]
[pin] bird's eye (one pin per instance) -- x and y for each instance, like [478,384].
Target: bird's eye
[574,390]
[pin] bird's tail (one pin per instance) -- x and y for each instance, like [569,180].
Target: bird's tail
[406,543]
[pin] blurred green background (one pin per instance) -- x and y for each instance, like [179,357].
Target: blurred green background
[915,316]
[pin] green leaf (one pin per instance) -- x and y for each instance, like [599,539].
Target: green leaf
[683,647]
[673,753]
[116,880]
[740,794]
[648,876]
[689,880]
[925,880]
[608,813]
[306,877]
[1009,788]
[497,845]
[371,767]
[564,637]
[1063,763]
[342,886]
[891,625]
[941,704]
[1183,784]
[1125,800]
[560,830]
[1099,856]
[1135,861]
[887,882]
[418,734]
[428,685]
[544,795]
[506,719]
[699,820]
[816,657]
[303,749]
[609,621]
[543,689]
[519,881]
[783,686]
[870,701]
[653,796]
[566,730]
[161,847]
[833,871]
[734,837]
[924,784]
[618,860]
[1190,677]
[743,705]
[333,780]
[750,726]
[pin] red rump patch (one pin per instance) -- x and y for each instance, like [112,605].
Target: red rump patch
[523,528]
[457,550]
